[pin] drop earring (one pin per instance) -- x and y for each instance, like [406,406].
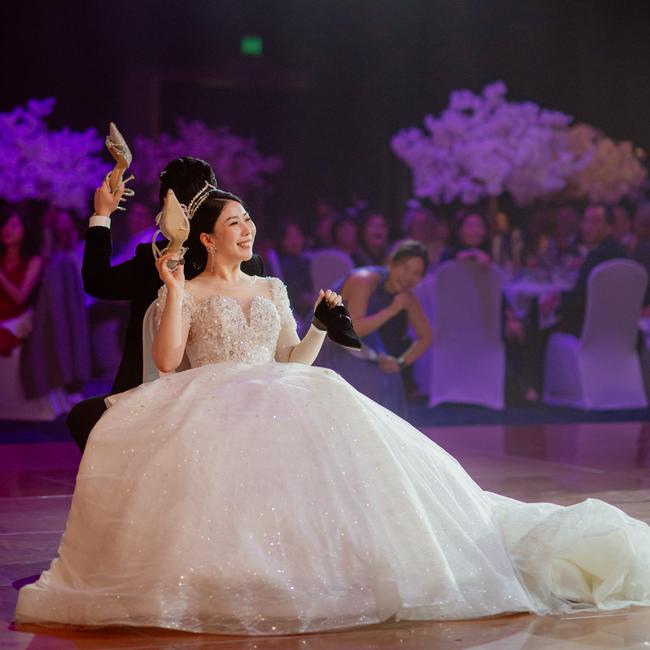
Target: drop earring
[211,258]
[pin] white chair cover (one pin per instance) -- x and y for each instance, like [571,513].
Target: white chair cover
[13,403]
[149,369]
[328,267]
[601,369]
[467,354]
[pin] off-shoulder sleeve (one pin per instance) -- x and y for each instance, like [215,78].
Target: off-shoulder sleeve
[186,307]
[281,300]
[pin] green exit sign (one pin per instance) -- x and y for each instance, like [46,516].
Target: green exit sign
[251,45]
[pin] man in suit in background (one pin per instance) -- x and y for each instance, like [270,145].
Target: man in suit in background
[596,228]
[597,234]
[135,280]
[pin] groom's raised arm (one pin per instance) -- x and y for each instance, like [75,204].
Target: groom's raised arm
[100,279]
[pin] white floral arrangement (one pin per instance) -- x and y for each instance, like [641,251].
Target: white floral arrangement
[61,167]
[615,170]
[483,145]
[237,163]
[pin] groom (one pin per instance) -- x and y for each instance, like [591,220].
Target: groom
[136,281]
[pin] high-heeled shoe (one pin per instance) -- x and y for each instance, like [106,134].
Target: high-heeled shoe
[174,225]
[119,149]
[337,322]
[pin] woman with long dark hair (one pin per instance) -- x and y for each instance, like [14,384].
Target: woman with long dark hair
[20,270]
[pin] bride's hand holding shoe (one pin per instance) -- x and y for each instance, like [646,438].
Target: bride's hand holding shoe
[174,280]
[330,315]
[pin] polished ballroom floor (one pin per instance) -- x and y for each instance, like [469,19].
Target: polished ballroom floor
[562,463]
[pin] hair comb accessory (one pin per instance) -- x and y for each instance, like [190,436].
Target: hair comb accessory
[199,198]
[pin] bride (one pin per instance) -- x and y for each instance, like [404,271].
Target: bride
[255,494]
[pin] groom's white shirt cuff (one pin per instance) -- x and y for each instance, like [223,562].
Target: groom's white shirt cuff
[99,220]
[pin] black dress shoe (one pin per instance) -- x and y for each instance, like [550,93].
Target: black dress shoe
[338,324]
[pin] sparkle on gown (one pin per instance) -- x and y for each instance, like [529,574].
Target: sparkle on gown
[246,496]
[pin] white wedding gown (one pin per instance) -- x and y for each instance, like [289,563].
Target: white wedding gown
[247,496]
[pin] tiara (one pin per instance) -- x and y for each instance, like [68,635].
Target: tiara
[198,199]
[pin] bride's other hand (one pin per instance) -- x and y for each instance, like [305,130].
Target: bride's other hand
[105,202]
[331,298]
[174,280]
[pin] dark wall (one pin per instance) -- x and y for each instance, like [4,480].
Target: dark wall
[341,76]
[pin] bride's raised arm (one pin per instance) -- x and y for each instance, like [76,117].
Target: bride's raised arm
[171,334]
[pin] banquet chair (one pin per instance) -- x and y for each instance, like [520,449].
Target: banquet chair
[601,368]
[14,404]
[149,370]
[467,354]
[328,267]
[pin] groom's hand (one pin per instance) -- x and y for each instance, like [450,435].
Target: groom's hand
[105,201]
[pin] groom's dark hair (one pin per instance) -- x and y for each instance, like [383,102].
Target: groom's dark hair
[186,176]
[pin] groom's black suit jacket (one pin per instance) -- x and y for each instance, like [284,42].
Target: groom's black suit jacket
[135,280]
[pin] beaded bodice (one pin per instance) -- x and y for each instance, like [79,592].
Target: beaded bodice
[221,331]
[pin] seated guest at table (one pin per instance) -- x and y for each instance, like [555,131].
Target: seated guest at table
[569,306]
[564,251]
[373,239]
[326,214]
[623,228]
[295,268]
[345,235]
[469,239]
[382,305]
[20,271]
[420,224]
[597,234]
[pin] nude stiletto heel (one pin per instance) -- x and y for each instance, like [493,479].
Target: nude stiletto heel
[119,149]
[174,225]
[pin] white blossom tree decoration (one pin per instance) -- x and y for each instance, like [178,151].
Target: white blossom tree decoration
[237,163]
[60,167]
[482,146]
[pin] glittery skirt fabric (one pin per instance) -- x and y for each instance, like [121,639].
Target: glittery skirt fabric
[275,498]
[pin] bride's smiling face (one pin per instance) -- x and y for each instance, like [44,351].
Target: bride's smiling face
[234,232]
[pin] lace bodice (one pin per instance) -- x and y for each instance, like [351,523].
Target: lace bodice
[221,331]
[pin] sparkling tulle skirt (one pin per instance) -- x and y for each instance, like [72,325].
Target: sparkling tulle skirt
[277,499]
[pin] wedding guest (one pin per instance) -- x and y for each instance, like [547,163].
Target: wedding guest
[61,235]
[20,271]
[564,251]
[597,231]
[596,228]
[373,236]
[420,224]
[623,228]
[383,307]
[326,214]
[469,239]
[295,268]
[346,238]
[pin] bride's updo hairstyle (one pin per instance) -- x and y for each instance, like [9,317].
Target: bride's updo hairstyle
[203,221]
[186,176]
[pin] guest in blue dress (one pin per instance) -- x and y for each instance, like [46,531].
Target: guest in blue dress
[384,308]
